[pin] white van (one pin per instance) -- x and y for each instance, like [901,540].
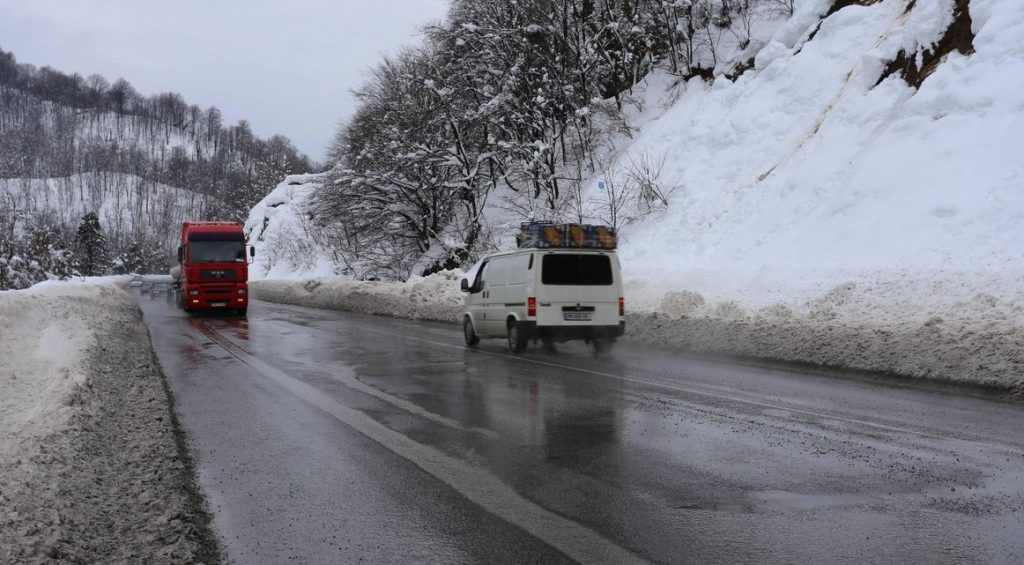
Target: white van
[552,295]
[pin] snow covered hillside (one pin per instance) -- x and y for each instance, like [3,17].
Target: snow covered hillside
[853,198]
[127,205]
[813,166]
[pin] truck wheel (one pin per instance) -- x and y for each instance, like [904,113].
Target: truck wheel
[470,334]
[517,342]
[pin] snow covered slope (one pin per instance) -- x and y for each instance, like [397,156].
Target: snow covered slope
[125,204]
[280,229]
[808,169]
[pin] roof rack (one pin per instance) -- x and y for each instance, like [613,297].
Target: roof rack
[550,235]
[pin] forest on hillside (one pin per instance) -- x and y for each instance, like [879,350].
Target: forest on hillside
[516,99]
[73,145]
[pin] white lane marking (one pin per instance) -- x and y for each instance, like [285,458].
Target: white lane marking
[476,484]
[897,429]
[345,376]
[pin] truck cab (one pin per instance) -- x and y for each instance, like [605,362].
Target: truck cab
[213,270]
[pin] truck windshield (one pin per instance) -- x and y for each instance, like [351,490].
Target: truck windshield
[224,251]
[581,269]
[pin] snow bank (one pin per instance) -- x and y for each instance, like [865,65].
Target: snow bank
[436,297]
[90,469]
[42,362]
[943,325]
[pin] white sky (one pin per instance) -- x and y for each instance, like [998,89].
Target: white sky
[287,66]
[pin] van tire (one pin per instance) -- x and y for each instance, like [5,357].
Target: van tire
[517,342]
[469,333]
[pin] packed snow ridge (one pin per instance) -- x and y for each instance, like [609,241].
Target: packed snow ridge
[822,210]
[90,470]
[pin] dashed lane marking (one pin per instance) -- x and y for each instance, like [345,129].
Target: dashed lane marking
[698,392]
[476,484]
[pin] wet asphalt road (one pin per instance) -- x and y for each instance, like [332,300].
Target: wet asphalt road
[326,437]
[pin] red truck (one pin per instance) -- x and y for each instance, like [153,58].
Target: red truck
[213,270]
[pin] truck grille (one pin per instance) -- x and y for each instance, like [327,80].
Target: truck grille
[216,274]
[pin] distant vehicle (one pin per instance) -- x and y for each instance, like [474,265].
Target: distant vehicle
[135,280]
[145,287]
[213,270]
[160,288]
[563,283]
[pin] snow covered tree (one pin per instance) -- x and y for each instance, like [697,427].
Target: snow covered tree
[91,246]
[131,260]
[61,263]
[510,95]
[17,273]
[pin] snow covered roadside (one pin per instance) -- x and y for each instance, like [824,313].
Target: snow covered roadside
[951,326]
[436,297]
[90,467]
[947,327]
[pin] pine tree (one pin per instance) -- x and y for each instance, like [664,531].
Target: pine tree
[91,246]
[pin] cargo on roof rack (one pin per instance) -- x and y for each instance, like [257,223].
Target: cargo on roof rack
[549,235]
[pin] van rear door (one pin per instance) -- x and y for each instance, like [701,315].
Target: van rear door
[494,290]
[578,289]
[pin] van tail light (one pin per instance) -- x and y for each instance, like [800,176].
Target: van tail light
[531,306]
[622,306]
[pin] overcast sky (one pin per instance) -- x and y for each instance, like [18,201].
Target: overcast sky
[286,66]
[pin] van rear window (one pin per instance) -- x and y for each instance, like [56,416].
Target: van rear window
[582,269]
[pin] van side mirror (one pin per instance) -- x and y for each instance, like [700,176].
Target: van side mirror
[465,285]
[181,253]
[252,251]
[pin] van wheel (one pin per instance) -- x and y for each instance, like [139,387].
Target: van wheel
[467,329]
[516,341]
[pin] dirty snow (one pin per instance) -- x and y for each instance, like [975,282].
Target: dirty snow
[90,470]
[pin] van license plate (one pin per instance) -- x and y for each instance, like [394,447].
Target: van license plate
[218,304]
[576,316]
